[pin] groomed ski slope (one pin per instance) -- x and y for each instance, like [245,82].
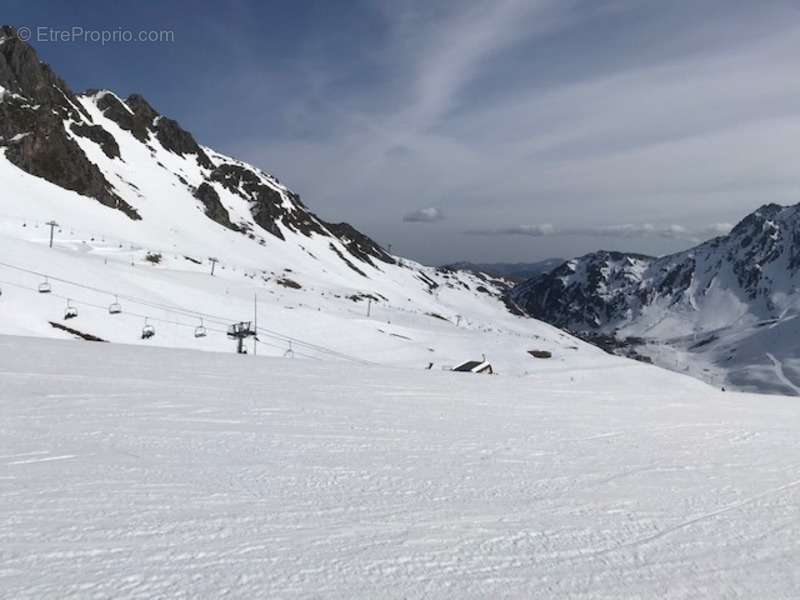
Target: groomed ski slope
[133,472]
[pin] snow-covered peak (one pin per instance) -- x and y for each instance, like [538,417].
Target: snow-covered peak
[726,286]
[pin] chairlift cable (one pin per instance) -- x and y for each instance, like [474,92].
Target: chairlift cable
[220,320]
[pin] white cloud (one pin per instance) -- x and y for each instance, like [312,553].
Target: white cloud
[633,231]
[700,124]
[717,229]
[624,231]
[424,215]
[527,230]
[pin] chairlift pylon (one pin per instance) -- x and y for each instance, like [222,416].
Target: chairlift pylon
[44,287]
[148,330]
[200,330]
[115,307]
[70,312]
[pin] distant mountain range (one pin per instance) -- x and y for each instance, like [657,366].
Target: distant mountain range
[725,310]
[511,271]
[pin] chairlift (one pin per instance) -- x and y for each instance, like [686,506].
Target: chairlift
[148,330]
[200,330]
[44,287]
[115,307]
[70,312]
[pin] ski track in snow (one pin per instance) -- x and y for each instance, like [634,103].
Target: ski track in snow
[781,374]
[248,477]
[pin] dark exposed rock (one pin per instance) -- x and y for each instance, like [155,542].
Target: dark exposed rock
[178,140]
[171,135]
[437,316]
[677,277]
[362,296]
[115,110]
[627,347]
[99,136]
[432,285]
[266,203]
[78,334]
[22,73]
[358,244]
[141,119]
[141,109]
[31,125]
[48,153]
[214,209]
[585,293]
[512,306]
[288,283]
[349,263]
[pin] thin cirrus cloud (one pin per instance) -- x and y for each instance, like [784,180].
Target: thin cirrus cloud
[424,215]
[527,230]
[576,112]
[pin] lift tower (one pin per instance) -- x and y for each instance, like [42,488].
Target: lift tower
[240,332]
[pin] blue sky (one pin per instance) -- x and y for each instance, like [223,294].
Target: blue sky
[498,130]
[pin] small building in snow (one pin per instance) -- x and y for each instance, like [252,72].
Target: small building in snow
[475,366]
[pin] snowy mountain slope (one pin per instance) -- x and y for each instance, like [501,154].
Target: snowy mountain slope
[324,319]
[99,152]
[134,473]
[142,208]
[725,310]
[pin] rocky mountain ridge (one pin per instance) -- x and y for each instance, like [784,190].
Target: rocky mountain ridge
[731,299]
[42,123]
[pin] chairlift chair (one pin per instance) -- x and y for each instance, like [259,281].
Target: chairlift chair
[200,330]
[114,308]
[70,312]
[148,330]
[44,287]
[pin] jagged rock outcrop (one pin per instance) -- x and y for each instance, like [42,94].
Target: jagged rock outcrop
[268,205]
[358,244]
[34,106]
[584,293]
[141,119]
[757,265]
[43,128]
[213,205]
[99,136]
[113,108]
[171,135]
